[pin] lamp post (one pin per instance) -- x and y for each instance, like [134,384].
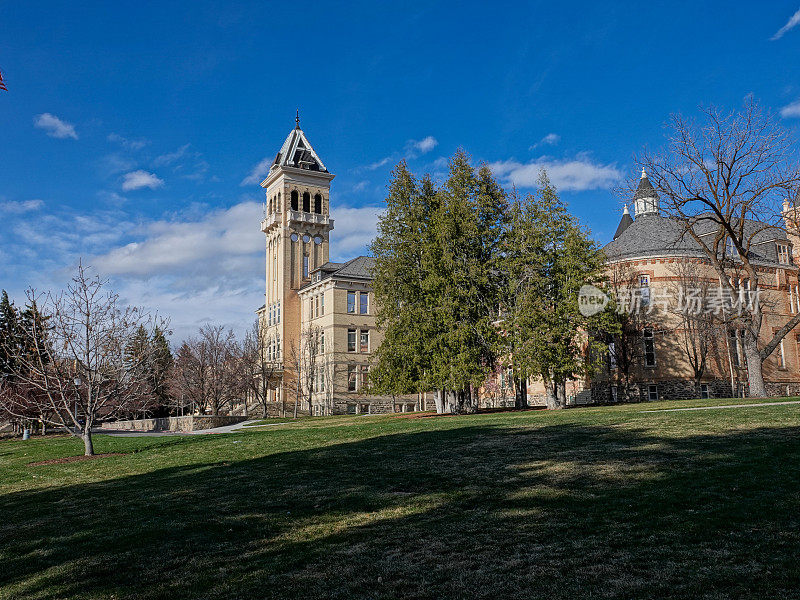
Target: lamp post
[77,381]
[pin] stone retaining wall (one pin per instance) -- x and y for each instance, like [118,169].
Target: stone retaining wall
[186,423]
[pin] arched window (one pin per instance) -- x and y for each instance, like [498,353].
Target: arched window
[294,199]
[306,202]
[278,203]
[318,203]
[269,210]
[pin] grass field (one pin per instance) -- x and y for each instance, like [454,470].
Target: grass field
[586,503]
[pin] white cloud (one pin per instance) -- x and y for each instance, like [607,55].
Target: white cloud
[170,157]
[355,230]
[208,245]
[22,206]
[551,139]
[128,143]
[258,172]
[791,110]
[55,127]
[793,22]
[412,149]
[424,145]
[569,175]
[136,180]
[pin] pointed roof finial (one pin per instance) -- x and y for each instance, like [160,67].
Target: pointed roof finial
[625,210]
[644,175]
[297,120]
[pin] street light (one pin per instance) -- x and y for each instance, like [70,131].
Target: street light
[77,381]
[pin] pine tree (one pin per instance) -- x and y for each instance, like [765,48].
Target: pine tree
[161,367]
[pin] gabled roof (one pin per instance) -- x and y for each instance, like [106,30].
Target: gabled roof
[361,267]
[297,152]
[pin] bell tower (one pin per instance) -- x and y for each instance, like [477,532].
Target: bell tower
[297,227]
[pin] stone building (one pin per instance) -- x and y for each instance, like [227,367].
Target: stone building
[318,319]
[651,257]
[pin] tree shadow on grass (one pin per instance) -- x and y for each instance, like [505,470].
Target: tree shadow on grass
[475,512]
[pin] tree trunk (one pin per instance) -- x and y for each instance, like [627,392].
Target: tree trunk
[561,394]
[552,396]
[520,393]
[438,400]
[88,446]
[755,377]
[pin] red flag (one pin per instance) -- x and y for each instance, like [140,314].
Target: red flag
[2,83]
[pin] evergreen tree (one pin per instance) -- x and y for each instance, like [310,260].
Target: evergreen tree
[550,258]
[402,358]
[10,338]
[162,362]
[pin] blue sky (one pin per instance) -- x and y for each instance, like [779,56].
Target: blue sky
[133,132]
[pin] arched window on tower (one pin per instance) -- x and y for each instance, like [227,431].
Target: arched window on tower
[294,199]
[278,203]
[306,202]
[318,203]
[269,209]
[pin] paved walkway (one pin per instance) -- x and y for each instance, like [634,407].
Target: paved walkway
[754,404]
[225,429]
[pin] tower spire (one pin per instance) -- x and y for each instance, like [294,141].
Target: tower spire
[297,120]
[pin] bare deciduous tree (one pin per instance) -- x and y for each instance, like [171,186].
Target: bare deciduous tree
[724,179]
[207,370]
[259,368]
[77,371]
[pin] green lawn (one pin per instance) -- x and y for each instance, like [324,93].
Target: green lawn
[586,503]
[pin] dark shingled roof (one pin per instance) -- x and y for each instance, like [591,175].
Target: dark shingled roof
[360,267]
[624,223]
[651,235]
[645,189]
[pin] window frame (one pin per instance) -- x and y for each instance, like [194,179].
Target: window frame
[649,338]
[352,345]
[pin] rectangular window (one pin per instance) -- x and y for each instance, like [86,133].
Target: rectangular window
[364,345]
[781,357]
[644,289]
[278,347]
[652,392]
[614,393]
[704,391]
[278,319]
[305,266]
[322,304]
[783,254]
[351,409]
[316,306]
[351,340]
[612,355]
[351,378]
[322,341]
[351,302]
[364,299]
[649,348]
[363,409]
[730,249]
[364,377]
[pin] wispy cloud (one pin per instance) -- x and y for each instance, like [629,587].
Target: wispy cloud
[791,111]
[576,174]
[258,172]
[793,22]
[137,180]
[130,144]
[170,157]
[424,145]
[355,230]
[551,139]
[55,127]
[18,207]
[412,149]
